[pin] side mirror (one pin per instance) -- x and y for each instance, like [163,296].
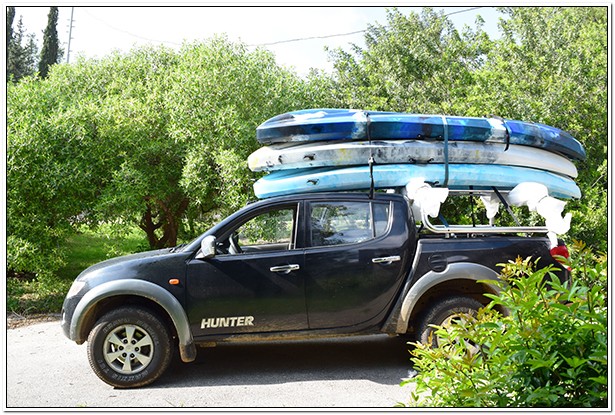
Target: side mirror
[208,247]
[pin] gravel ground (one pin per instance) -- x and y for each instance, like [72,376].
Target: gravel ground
[14,321]
[45,369]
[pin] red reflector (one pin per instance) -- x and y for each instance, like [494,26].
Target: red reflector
[560,250]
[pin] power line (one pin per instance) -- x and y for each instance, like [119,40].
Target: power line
[310,38]
[129,33]
[463,11]
[344,34]
[261,44]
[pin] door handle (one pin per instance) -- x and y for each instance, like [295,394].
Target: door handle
[386,260]
[285,268]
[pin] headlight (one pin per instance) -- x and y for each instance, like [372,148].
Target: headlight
[75,288]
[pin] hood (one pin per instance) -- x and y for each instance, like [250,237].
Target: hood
[141,265]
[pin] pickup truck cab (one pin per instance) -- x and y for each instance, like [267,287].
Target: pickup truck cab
[308,265]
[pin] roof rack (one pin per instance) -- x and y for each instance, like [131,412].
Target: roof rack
[481,229]
[452,229]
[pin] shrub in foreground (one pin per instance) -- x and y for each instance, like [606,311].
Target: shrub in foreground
[550,351]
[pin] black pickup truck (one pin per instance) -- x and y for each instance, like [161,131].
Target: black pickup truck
[323,264]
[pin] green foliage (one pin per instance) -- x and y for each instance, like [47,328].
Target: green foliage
[46,293]
[49,177]
[548,66]
[416,63]
[234,190]
[221,93]
[550,351]
[43,295]
[26,257]
[588,268]
[155,137]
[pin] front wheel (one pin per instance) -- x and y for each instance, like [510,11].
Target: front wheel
[129,347]
[442,314]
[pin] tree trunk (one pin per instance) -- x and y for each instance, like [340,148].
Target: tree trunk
[168,220]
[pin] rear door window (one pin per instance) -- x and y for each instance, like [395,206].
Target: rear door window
[341,223]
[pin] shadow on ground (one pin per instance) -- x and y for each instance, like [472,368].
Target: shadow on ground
[381,359]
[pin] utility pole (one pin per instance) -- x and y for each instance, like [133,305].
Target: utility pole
[70,33]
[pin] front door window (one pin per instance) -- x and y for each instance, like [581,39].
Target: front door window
[270,231]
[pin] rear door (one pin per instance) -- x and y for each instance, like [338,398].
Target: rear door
[354,261]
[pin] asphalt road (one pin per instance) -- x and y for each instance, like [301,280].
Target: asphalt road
[45,369]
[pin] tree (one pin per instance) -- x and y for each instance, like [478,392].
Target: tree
[549,66]
[10,16]
[549,351]
[50,54]
[22,50]
[154,138]
[415,63]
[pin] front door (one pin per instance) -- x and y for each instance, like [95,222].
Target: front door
[255,283]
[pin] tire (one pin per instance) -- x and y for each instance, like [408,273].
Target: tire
[129,347]
[442,313]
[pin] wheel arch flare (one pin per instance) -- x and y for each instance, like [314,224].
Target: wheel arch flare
[454,279]
[172,307]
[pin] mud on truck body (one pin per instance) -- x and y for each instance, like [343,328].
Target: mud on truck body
[292,267]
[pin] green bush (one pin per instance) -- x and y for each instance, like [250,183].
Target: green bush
[549,351]
[154,137]
[45,294]
[25,259]
[28,294]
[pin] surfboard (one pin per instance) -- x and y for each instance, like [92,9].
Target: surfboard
[343,124]
[336,154]
[387,176]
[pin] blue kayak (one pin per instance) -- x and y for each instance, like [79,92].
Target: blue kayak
[460,177]
[343,124]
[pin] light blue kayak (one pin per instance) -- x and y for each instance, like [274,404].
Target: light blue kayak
[460,177]
[343,124]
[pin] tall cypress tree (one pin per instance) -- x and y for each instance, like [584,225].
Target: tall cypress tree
[50,51]
[21,60]
[10,16]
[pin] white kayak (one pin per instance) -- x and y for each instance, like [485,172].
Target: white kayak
[353,153]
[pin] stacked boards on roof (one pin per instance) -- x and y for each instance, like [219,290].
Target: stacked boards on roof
[340,154]
[389,176]
[341,124]
[329,149]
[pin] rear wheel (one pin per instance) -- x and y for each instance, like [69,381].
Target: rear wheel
[129,347]
[443,313]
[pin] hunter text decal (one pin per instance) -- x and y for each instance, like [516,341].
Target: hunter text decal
[217,322]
